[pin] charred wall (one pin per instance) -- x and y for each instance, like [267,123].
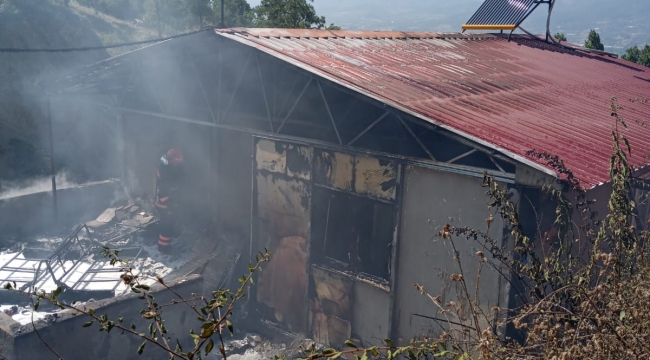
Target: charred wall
[329,219]
[282,211]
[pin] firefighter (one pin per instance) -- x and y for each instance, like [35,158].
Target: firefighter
[166,196]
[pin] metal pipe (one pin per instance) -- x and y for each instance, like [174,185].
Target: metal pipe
[52,168]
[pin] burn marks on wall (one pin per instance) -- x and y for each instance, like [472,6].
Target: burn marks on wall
[282,196]
[331,306]
[323,207]
[345,306]
[357,174]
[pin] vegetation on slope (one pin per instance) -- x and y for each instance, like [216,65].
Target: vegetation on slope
[44,24]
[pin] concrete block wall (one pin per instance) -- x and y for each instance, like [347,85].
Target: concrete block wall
[66,335]
[31,215]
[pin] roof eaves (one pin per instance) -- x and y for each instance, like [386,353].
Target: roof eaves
[525,161]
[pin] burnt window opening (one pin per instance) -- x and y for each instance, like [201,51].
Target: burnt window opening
[352,233]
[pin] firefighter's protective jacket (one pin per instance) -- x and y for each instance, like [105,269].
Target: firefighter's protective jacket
[167,184]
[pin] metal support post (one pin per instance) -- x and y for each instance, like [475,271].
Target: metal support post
[52,169]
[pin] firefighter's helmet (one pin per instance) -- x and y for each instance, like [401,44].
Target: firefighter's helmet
[174,156]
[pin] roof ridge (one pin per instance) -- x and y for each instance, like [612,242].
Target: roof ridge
[351,34]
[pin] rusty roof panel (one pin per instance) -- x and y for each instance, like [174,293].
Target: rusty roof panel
[512,96]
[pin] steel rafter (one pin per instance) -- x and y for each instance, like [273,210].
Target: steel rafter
[369,127]
[126,88]
[468,170]
[329,112]
[205,95]
[417,139]
[172,96]
[266,102]
[295,103]
[286,99]
[375,103]
[234,91]
[151,91]
[495,163]
[466,154]
[347,111]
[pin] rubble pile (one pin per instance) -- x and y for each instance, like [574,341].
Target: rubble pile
[253,347]
[126,227]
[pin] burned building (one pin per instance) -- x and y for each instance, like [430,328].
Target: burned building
[344,153]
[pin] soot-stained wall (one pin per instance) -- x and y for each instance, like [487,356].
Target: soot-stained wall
[283,203]
[329,220]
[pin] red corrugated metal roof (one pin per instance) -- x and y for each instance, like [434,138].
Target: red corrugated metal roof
[512,96]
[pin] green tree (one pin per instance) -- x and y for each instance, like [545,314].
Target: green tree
[174,16]
[121,9]
[593,41]
[237,13]
[560,37]
[294,14]
[639,56]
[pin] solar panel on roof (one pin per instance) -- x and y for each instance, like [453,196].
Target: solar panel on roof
[500,14]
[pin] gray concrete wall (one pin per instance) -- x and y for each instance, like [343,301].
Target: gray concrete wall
[73,342]
[431,199]
[30,215]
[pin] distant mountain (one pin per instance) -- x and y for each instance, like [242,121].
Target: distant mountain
[621,23]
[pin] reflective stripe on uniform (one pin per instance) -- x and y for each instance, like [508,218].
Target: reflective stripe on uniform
[164,240]
[161,206]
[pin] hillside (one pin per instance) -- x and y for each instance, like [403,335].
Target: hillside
[44,24]
[621,24]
